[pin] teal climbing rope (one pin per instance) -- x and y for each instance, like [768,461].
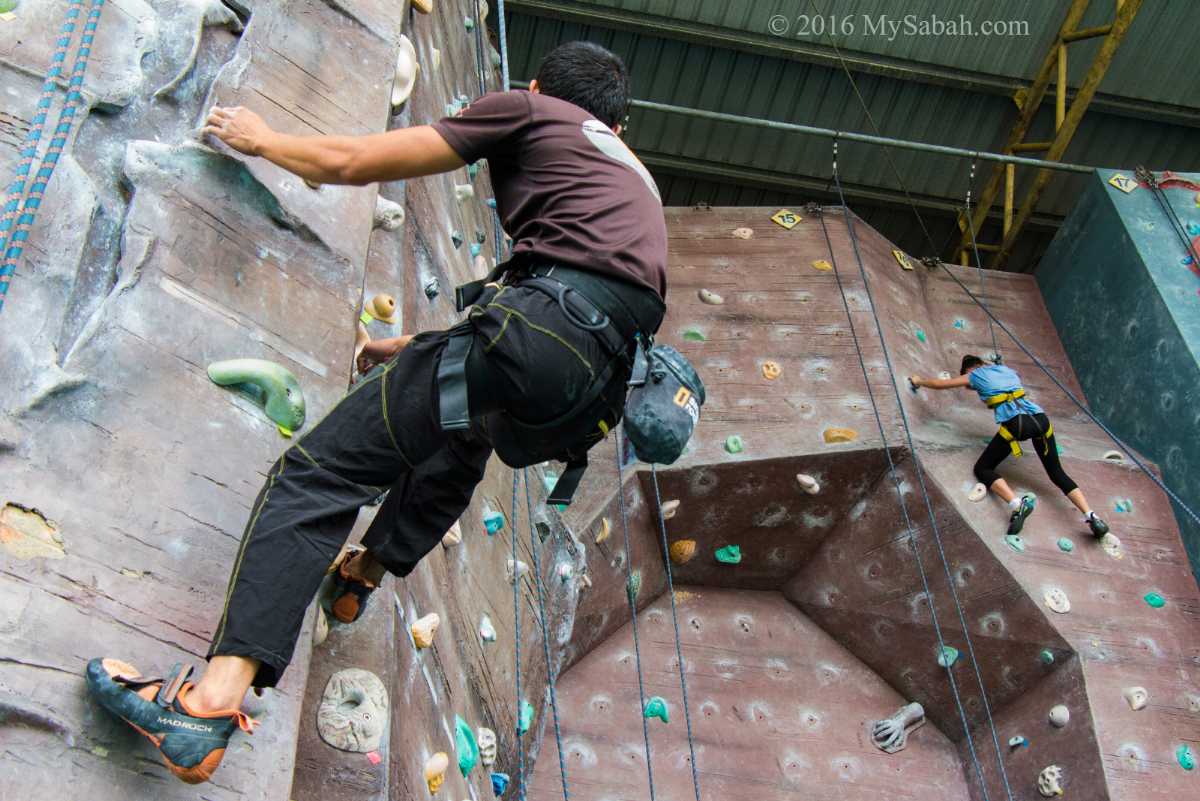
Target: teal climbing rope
[908,523]
[19,217]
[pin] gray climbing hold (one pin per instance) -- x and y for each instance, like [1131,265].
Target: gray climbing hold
[463,192]
[487,746]
[891,734]
[1057,600]
[354,711]
[457,239]
[633,586]
[406,73]
[487,631]
[1136,697]
[977,493]
[432,288]
[808,483]
[515,570]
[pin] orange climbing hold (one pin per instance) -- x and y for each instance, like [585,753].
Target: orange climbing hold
[682,551]
[835,436]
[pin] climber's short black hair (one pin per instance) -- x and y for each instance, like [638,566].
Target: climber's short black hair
[589,76]
[969,362]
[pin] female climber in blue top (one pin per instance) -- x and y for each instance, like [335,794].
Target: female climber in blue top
[1020,419]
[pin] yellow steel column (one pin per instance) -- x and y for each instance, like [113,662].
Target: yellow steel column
[1009,176]
[1060,97]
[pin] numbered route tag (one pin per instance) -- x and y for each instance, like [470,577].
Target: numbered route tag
[902,259]
[1124,183]
[788,219]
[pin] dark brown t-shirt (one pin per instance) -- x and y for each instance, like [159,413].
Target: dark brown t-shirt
[567,188]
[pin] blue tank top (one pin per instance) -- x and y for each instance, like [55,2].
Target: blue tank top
[996,379]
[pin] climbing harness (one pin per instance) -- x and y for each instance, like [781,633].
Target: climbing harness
[12,244]
[992,401]
[909,527]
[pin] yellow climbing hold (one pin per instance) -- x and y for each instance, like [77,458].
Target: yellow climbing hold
[605,530]
[835,436]
[27,534]
[424,6]
[902,259]
[682,551]
[383,308]
[788,219]
[771,370]
[287,432]
[823,265]
[424,629]
[435,767]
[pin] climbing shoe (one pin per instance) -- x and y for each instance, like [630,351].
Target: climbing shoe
[1099,527]
[350,593]
[1024,510]
[191,744]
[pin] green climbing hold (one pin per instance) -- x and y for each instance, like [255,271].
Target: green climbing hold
[465,744]
[692,335]
[1047,657]
[525,718]
[1065,544]
[921,335]
[633,586]
[1155,600]
[7,6]
[1015,542]
[734,444]
[272,386]
[729,555]
[468,23]
[656,707]
[947,656]
[1184,755]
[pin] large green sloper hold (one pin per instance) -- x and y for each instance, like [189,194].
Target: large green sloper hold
[465,744]
[271,385]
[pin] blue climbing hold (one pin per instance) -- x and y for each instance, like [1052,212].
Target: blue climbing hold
[491,202]
[493,521]
[1186,261]
[1193,229]
[476,249]
[499,783]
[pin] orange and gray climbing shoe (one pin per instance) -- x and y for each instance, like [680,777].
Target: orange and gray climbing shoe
[191,743]
[350,593]
[1097,525]
[1023,510]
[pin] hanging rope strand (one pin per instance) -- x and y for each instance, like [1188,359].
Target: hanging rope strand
[937,538]
[637,650]
[537,581]
[517,644]
[979,263]
[500,24]
[666,554]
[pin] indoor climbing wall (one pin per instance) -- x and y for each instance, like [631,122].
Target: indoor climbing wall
[1124,293]
[130,474]
[1084,652]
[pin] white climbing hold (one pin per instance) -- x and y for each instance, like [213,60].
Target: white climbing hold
[1112,546]
[453,536]
[743,233]
[406,73]
[977,493]
[891,734]
[435,58]
[515,570]
[487,632]
[710,297]
[354,711]
[320,627]
[424,629]
[1114,456]
[808,483]
[669,509]
[463,192]
[943,375]
[389,215]
[1136,697]
[486,738]
[1057,600]
[1060,716]
[1050,781]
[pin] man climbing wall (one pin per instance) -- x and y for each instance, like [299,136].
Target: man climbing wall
[1020,419]
[548,346]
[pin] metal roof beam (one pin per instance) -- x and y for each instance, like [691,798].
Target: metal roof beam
[586,13]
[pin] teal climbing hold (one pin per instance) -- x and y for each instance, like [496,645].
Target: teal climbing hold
[729,555]
[1065,544]
[468,23]
[1059,448]
[457,239]
[525,718]
[692,335]
[921,335]
[1155,600]
[493,521]
[465,744]
[656,707]
[499,783]
[1047,657]
[947,656]
[1193,229]
[960,324]
[491,202]
[476,249]
[1184,755]
[1124,505]
[734,444]
[472,170]
[272,386]
[1015,542]
[1018,742]
[633,586]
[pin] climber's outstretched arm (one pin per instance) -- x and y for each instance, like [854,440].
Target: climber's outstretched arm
[940,383]
[356,160]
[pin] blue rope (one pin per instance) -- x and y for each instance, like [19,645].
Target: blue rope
[637,650]
[928,503]
[503,44]
[537,580]
[666,553]
[517,644]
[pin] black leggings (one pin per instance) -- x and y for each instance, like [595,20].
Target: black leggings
[1024,427]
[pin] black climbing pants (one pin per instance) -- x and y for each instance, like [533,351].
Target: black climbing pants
[1024,427]
[527,358]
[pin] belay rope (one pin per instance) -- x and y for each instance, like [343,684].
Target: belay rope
[978,263]
[19,217]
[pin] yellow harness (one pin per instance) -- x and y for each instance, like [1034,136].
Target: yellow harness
[1004,397]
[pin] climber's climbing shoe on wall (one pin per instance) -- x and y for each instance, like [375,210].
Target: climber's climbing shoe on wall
[350,594]
[191,744]
[1017,521]
[1099,527]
